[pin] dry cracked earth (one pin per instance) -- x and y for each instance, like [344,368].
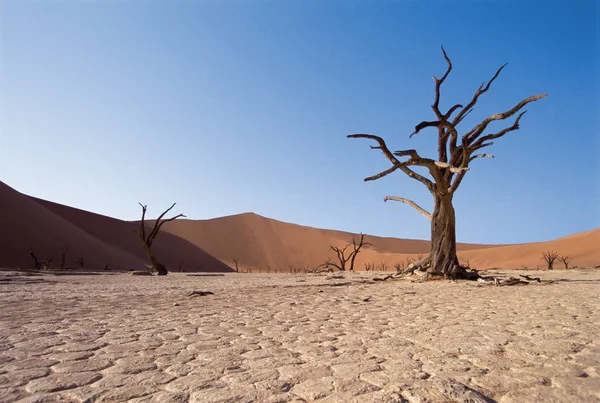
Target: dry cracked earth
[297,338]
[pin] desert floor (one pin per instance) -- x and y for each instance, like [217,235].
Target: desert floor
[280,338]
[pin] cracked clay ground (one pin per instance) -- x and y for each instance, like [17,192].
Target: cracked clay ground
[295,338]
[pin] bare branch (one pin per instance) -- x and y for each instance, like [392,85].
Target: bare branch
[451,168]
[382,174]
[481,156]
[397,164]
[438,84]
[501,133]
[482,89]
[382,146]
[451,111]
[411,203]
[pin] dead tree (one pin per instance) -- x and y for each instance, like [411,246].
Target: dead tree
[80,261]
[147,239]
[356,249]
[550,257]
[565,260]
[48,262]
[63,257]
[447,171]
[341,254]
[236,261]
[36,263]
[180,267]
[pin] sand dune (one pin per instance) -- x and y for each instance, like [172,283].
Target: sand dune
[258,242]
[48,227]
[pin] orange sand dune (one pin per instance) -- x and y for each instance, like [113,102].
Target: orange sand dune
[260,243]
[48,227]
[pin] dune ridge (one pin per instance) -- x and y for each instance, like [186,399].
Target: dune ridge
[257,243]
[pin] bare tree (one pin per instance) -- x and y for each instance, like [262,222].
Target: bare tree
[382,266]
[36,263]
[341,253]
[550,257]
[369,266]
[356,249]
[326,266]
[565,260]
[180,267]
[447,171]
[80,261]
[63,257]
[148,239]
[236,261]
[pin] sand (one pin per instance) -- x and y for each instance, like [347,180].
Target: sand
[280,338]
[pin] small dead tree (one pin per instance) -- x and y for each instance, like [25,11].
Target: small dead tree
[63,257]
[455,153]
[565,260]
[550,257]
[341,253]
[356,249]
[236,261]
[147,239]
[382,266]
[48,262]
[180,267]
[36,263]
[80,261]
[399,267]
[326,266]
[369,266]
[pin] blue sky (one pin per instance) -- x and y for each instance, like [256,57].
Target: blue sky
[233,106]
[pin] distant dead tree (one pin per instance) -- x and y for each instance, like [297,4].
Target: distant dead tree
[382,266]
[565,260]
[341,253]
[63,257]
[550,257]
[180,266]
[399,267]
[325,266]
[236,261]
[80,261]
[36,263]
[369,266]
[447,171]
[147,239]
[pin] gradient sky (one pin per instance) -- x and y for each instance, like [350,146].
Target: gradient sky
[233,106]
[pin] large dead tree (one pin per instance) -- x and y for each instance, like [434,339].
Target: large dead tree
[456,150]
[148,238]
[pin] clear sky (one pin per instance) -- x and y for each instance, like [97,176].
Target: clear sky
[233,106]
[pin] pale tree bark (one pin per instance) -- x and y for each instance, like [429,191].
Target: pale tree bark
[445,173]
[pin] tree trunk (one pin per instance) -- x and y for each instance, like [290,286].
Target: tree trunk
[442,259]
[155,265]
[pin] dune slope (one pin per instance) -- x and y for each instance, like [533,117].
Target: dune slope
[48,227]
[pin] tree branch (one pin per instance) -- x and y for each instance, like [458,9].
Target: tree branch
[481,156]
[438,84]
[483,88]
[411,203]
[382,146]
[397,164]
